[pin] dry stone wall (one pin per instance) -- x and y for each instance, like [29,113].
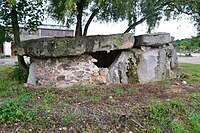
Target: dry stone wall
[66,71]
[111,59]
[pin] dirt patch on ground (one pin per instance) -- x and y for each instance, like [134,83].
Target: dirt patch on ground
[108,107]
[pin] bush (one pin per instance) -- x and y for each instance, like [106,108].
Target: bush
[19,75]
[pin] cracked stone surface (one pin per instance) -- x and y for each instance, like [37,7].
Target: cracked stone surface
[110,59]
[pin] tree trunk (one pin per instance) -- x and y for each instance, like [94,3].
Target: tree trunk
[132,26]
[1,47]
[15,26]
[80,5]
[89,21]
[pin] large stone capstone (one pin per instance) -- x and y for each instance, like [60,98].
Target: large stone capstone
[110,59]
[73,46]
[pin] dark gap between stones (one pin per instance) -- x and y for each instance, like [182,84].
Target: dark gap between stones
[105,59]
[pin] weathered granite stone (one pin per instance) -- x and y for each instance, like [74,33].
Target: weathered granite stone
[57,62]
[152,40]
[138,66]
[172,57]
[32,77]
[71,46]
[119,70]
[147,66]
[156,64]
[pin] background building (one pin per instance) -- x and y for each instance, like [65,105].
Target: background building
[42,31]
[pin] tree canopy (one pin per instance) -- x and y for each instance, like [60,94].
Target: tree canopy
[193,42]
[29,12]
[15,12]
[83,12]
[188,45]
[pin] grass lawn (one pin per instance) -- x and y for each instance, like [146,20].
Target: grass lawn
[192,69]
[167,106]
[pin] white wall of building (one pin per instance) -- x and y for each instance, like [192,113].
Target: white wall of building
[7,48]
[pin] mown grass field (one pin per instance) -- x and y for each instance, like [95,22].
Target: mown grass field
[167,106]
[193,69]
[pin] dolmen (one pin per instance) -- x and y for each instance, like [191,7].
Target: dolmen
[102,59]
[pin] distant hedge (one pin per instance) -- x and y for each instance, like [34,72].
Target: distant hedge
[191,45]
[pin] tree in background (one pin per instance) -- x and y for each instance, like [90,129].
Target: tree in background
[191,45]
[15,12]
[72,12]
[76,12]
[83,12]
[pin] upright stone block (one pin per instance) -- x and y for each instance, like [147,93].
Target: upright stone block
[157,64]
[110,59]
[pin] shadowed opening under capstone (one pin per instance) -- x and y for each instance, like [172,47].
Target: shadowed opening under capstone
[105,59]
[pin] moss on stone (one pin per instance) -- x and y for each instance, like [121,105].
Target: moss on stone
[73,46]
[118,41]
[18,50]
[132,73]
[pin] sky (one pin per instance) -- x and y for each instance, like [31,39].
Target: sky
[180,29]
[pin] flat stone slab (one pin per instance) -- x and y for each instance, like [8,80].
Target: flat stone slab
[152,40]
[96,60]
[72,46]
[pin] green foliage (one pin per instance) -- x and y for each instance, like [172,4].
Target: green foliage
[117,91]
[159,112]
[4,72]
[86,92]
[192,69]
[68,12]
[132,74]
[165,83]
[9,88]
[18,74]
[12,110]
[170,116]
[52,109]
[188,45]
[68,118]
[134,11]
[29,13]
[83,91]
[177,127]
[14,96]
[194,121]
[44,98]
[49,97]
[158,9]
[63,104]
[4,34]
[182,115]
[94,98]
[133,90]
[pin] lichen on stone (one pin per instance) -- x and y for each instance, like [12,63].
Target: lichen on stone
[132,73]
